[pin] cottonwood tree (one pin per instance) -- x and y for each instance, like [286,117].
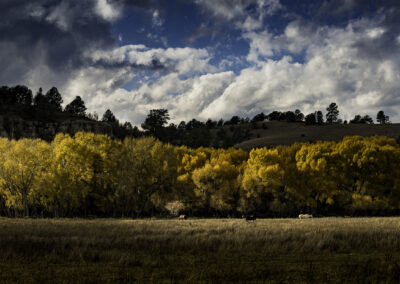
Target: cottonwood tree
[146,175]
[22,164]
[217,184]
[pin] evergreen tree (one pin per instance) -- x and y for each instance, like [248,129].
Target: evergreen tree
[155,120]
[332,113]
[299,115]
[381,118]
[311,119]
[108,116]
[54,98]
[21,95]
[40,100]
[319,117]
[77,106]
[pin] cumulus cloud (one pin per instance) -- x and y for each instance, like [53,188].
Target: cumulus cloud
[335,69]
[307,63]
[182,60]
[107,10]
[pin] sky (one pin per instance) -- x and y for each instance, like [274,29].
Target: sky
[207,58]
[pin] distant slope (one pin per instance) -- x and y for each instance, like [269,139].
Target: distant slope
[286,133]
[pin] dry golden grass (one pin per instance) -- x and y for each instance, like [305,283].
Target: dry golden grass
[285,133]
[200,250]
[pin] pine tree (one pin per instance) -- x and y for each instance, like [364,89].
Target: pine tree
[108,116]
[77,106]
[332,113]
[54,98]
[382,118]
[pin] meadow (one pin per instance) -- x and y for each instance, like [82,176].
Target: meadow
[319,250]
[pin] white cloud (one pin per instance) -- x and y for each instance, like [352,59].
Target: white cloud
[231,9]
[107,11]
[182,60]
[156,20]
[251,24]
[334,69]
[375,33]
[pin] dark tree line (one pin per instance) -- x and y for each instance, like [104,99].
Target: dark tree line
[194,133]
[47,107]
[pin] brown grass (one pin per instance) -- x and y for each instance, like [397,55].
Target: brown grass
[285,133]
[200,250]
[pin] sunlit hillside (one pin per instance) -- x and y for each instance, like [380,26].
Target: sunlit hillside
[274,133]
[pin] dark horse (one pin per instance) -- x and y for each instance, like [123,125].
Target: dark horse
[250,218]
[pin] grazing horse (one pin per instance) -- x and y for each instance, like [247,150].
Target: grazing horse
[305,216]
[250,218]
[182,217]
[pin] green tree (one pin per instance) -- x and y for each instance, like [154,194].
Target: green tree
[21,95]
[54,98]
[155,119]
[108,116]
[381,118]
[311,119]
[332,113]
[39,100]
[320,117]
[77,106]
[155,122]
[299,115]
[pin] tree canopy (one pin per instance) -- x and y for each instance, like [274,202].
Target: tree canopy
[91,174]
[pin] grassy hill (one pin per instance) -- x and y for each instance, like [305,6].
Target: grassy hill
[276,133]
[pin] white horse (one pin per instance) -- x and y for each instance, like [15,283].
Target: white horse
[305,216]
[182,217]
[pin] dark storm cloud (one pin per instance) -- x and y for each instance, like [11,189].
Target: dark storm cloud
[153,65]
[52,33]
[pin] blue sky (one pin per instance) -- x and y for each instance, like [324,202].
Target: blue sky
[207,58]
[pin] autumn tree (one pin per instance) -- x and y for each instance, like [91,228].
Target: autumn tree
[147,173]
[22,164]
[262,178]
[217,183]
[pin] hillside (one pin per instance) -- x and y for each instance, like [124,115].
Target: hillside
[286,133]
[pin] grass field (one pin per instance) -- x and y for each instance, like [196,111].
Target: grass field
[286,133]
[323,250]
